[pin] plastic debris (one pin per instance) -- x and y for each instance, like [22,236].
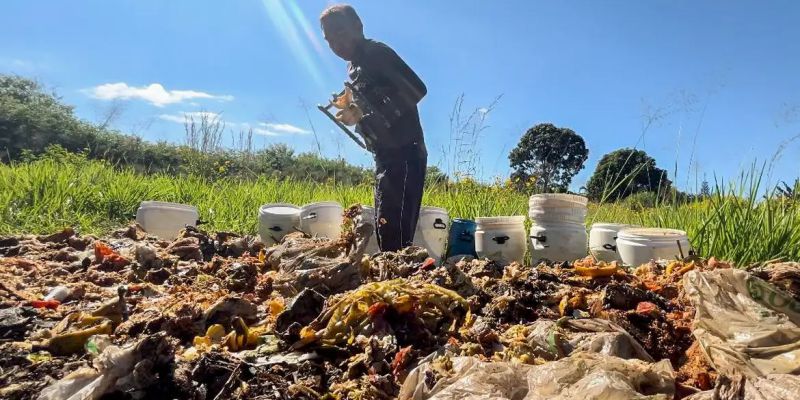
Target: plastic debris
[209,316]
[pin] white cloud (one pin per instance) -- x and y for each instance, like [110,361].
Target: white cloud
[265,132]
[153,93]
[181,118]
[262,128]
[284,128]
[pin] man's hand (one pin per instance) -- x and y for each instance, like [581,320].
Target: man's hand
[344,100]
[350,115]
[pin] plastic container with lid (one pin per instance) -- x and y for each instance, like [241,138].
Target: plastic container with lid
[558,240]
[637,246]
[501,239]
[461,241]
[603,240]
[276,220]
[165,220]
[558,207]
[323,219]
[431,232]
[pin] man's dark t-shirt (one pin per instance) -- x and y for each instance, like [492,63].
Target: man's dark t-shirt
[377,72]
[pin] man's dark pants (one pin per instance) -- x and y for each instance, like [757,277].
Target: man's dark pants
[399,183]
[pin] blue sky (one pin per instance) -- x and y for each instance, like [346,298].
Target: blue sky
[707,86]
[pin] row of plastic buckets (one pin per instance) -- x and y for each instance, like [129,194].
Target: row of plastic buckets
[556,233]
[324,220]
[633,245]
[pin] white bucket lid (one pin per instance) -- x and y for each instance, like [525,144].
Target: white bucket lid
[655,234]
[507,220]
[165,204]
[321,205]
[558,197]
[612,226]
[432,210]
[279,209]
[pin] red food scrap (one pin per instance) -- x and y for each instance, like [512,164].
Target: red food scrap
[647,308]
[103,254]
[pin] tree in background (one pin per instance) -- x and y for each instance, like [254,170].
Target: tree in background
[550,155]
[32,119]
[705,190]
[624,172]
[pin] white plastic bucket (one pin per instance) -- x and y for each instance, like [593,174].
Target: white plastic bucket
[637,246]
[277,220]
[501,239]
[165,220]
[368,214]
[322,219]
[603,240]
[432,230]
[558,207]
[558,241]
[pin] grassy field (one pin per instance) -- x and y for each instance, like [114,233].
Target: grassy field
[736,223]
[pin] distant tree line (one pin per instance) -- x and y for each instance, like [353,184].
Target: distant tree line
[32,120]
[548,157]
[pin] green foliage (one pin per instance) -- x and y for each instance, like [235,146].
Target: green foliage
[789,192]
[48,194]
[550,154]
[624,172]
[435,176]
[735,222]
[31,121]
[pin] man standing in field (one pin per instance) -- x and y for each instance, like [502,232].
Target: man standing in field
[392,131]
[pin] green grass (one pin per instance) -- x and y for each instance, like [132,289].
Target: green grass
[736,223]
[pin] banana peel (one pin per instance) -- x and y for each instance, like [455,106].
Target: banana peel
[71,334]
[241,337]
[679,268]
[597,271]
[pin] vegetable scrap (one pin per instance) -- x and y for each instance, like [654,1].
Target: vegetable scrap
[206,316]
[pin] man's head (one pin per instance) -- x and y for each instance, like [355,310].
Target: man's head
[342,29]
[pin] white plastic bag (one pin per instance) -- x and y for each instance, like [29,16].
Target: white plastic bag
[592,376]
[583,376]
[591,335]
[771,387]
[471,379]
[88,383]
[744,325]
[111,371]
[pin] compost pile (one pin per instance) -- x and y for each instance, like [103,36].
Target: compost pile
[219,316]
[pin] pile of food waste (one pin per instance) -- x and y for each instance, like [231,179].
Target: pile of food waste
[213,316]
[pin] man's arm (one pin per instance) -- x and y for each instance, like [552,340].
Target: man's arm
[409,88]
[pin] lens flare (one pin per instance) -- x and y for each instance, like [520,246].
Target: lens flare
[296,31]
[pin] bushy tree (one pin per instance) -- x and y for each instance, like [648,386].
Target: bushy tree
[624,172]
[435,176]
[705,190]
[32,120]
[549,154]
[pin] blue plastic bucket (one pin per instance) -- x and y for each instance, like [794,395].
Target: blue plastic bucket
[462,238]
